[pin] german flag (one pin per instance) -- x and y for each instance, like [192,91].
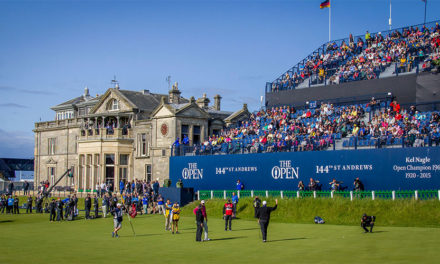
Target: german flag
[325,4]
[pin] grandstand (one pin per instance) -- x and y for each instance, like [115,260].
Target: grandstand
[377,94]
[394,61]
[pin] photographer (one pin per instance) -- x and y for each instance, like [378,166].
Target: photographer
[358,185]
[367,221]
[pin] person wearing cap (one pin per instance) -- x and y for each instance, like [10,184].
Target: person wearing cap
[367,221]
[205,220]
[199,221]
[117,220]
[228,213]
[263,216]
[176,217]
[168,215]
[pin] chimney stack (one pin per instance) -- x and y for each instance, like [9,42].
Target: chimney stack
[174,94]
[217,102]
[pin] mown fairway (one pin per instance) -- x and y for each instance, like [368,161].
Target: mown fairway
[33,239]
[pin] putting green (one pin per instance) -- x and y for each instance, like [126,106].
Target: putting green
[33,239]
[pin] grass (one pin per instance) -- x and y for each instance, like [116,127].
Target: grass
[340,211]
[33,239]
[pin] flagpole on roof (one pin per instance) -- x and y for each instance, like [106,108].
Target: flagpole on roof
[329,23]
[426,2]
[389,20]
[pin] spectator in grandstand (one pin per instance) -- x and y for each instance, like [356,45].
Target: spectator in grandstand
[228,214]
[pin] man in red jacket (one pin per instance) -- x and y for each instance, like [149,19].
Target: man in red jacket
[228,212]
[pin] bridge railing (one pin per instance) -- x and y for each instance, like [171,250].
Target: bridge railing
[352,195]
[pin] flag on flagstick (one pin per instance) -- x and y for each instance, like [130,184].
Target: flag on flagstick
[325,4]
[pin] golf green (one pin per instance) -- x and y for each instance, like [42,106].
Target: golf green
[33,239]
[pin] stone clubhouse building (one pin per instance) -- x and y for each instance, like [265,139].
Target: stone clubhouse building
[122,134]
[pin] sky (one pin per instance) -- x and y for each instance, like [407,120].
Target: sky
[50,50]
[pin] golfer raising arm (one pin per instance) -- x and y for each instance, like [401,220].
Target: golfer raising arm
[263,216]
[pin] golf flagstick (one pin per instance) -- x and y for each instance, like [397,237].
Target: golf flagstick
[128,216]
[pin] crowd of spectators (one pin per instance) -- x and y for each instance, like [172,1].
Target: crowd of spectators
[365,58]
[284,128]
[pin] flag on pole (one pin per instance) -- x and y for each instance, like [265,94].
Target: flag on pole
[325,4]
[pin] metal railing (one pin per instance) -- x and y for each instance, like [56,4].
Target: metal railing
[352,195]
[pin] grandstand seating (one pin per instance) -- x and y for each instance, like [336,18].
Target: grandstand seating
[363,58]
[354,126]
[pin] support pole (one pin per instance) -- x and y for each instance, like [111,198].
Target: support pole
[267,194]
[416,195]
[224,194]
[198,195]
[282,194]
[373,195]
[351,195]
[212,194]
[424,20]
[330,23]
[393,194]
[331,194]
[252,193]
[314,194]
[297,194]
[238,194]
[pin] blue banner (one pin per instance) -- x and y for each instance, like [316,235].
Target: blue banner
[378,169]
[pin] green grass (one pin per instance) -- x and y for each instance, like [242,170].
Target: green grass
[340,211]
[33,239]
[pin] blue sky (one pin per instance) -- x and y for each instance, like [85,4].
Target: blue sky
[51,50]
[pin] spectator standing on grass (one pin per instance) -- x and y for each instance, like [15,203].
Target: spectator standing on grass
[145,204]
[52,210]
[95,205]
[312,185]
[3,202]
[103,189]
[16,201]
[358,185]
[87,206]
[160,205]
[29,204]
[264,217]
[121,186]
[59,205]
[105,205]
[10,205]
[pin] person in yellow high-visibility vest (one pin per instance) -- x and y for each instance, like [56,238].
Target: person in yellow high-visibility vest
[176,217]
[168,215]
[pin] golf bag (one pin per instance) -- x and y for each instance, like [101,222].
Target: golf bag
[319,220]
